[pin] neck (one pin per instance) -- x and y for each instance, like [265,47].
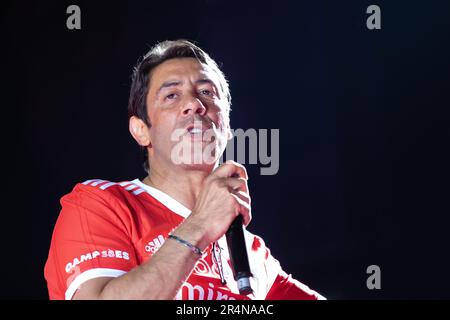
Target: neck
[181,183]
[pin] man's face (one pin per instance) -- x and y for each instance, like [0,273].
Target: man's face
[188,114]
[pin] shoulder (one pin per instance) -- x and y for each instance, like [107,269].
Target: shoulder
[280,285]
[103,190]
[101,198]
[105,186]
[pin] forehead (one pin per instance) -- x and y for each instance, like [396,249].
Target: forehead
[181,69]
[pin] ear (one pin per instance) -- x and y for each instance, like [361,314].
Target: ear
[140,131]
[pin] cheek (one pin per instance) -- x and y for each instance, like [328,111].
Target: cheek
[222,121]
[221,131]
[219,115]
[162,125]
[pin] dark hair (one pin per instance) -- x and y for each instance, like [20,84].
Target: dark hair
[163,51]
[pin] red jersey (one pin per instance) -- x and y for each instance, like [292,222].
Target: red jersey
[105,229]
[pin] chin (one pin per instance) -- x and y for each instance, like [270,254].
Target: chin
[207,167]
[196,156]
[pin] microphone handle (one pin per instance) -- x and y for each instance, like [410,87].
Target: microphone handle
[238,256]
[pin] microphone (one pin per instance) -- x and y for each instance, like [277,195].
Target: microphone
[239,256]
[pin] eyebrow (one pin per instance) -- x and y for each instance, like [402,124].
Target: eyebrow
[169,84]
[205,80]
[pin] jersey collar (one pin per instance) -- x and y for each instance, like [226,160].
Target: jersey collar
[164,198]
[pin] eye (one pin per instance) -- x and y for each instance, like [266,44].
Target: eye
[206,92]
[171,96]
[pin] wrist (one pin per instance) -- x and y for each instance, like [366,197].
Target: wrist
[187,244]
[193,232]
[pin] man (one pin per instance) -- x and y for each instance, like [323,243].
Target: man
[163,237]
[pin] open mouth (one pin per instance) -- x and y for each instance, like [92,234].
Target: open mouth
[199,131]
[195,131]
[196,128]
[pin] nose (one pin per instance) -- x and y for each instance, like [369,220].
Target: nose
[193,106]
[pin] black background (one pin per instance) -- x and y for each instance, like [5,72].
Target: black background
[363,118]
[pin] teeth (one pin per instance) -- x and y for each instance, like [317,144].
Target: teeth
[195,130]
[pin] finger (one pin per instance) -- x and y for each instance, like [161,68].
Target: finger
[231,168]
[244,196]
[237,184]
[244,209]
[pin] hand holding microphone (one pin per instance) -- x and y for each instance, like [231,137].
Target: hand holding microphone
[223,207]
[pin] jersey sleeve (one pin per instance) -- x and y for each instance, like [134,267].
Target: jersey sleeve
[287,288]
[90,239]
[280,285]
